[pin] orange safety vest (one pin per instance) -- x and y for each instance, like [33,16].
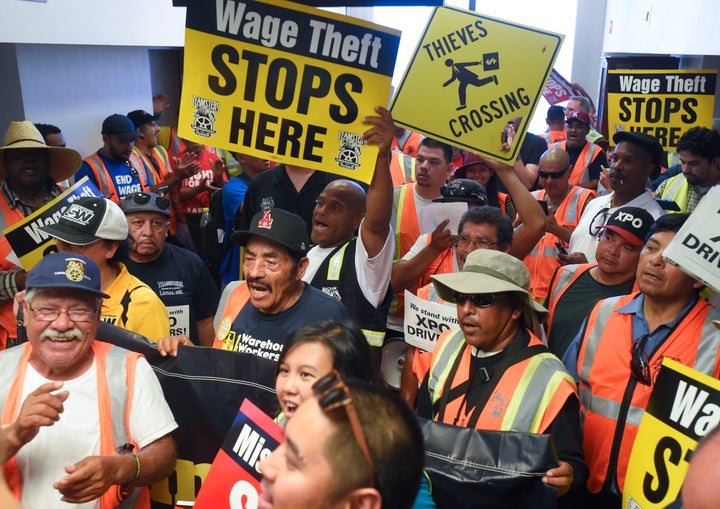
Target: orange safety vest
[552,137]
[402,168]
[9,217]
[157,177]
[412,144]
[407,231]
[563,279]
[115,376]
[580,172]
[605,377]
[104,180]
[528,397]
[423,359]
[229,308]
[542,260]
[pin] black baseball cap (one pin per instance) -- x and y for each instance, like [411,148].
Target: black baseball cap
[650,144]
[87,220]
[631,223]
[120,126]
[278,225]
[463,191]
[146,201]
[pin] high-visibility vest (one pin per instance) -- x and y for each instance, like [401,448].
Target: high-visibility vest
[552,137]
[423,359]
[407,231]
[229,308]
[529,396]
[542,260]
[104,181]
[402,168]
[116,384]
[412,144]
[442,264]
[155,176]
[580,171]
[607,385]
[9,217]
[677,189]
[563,279]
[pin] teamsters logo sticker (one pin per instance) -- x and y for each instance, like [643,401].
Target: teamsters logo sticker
[204,116]
[75,271]
[349,152]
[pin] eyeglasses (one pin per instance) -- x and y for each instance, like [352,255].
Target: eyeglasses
[480,300]
[464,241]
[597,221]
[551,174]
[332,393]
[142,198]
[52,314]
[639,362]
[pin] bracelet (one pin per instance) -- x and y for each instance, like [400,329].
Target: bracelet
[137,467]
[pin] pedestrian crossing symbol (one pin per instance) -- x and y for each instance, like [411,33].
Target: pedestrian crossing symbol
[471,74]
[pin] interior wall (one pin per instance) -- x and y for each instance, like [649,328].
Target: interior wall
[11,99]
[77,87]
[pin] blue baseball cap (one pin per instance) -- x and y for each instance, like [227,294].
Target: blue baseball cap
[66,270]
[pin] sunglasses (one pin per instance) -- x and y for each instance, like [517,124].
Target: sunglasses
[480,300]
[639,362]
[332,393]
[142,198]
[597,221]
[550,174]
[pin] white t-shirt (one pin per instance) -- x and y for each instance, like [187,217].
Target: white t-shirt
[76,435]
[597,212]
[373,274]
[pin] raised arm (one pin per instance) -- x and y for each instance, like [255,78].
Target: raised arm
[379,201]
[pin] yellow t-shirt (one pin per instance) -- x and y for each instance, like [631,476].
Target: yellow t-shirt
[134,306]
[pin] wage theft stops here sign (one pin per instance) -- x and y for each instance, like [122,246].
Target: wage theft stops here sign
[469,75]
[683,407]
[663,104]
[285,82]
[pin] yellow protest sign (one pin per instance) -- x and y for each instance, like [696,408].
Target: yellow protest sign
[29,243]
[663,104]
[285,82]
[469,75]
[684,406]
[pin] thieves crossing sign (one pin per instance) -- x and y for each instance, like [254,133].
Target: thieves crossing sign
[469,75]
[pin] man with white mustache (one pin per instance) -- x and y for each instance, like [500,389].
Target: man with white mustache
[64,396]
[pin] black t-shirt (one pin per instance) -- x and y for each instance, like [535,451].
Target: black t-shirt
[184,284]
[575,305]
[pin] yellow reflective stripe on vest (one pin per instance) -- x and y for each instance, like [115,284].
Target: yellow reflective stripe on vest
[443,361]
[540,380]
[335,264]
[608,408]
[593,338]
[400,201]
[677,189]
[373,337]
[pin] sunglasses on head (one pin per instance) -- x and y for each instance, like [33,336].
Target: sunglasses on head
[480,300]
[142,198]
[331,393]
[550,174]
[639,362]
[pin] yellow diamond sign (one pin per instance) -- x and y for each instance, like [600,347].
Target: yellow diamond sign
[469,75]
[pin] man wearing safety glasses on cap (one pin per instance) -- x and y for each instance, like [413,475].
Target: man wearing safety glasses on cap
[179,277]
[351,446]
[476,371]
[618,352]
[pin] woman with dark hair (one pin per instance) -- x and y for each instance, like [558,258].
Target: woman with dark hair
[315,350]
[312,352]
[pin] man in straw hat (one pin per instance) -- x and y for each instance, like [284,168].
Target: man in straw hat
[29,170]
[494,373]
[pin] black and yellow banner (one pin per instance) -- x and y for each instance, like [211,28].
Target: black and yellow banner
[286,82]
[28,242]
[683,408]
[470,75]
[663,104]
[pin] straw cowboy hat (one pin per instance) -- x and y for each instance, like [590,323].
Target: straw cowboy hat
[64,162]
